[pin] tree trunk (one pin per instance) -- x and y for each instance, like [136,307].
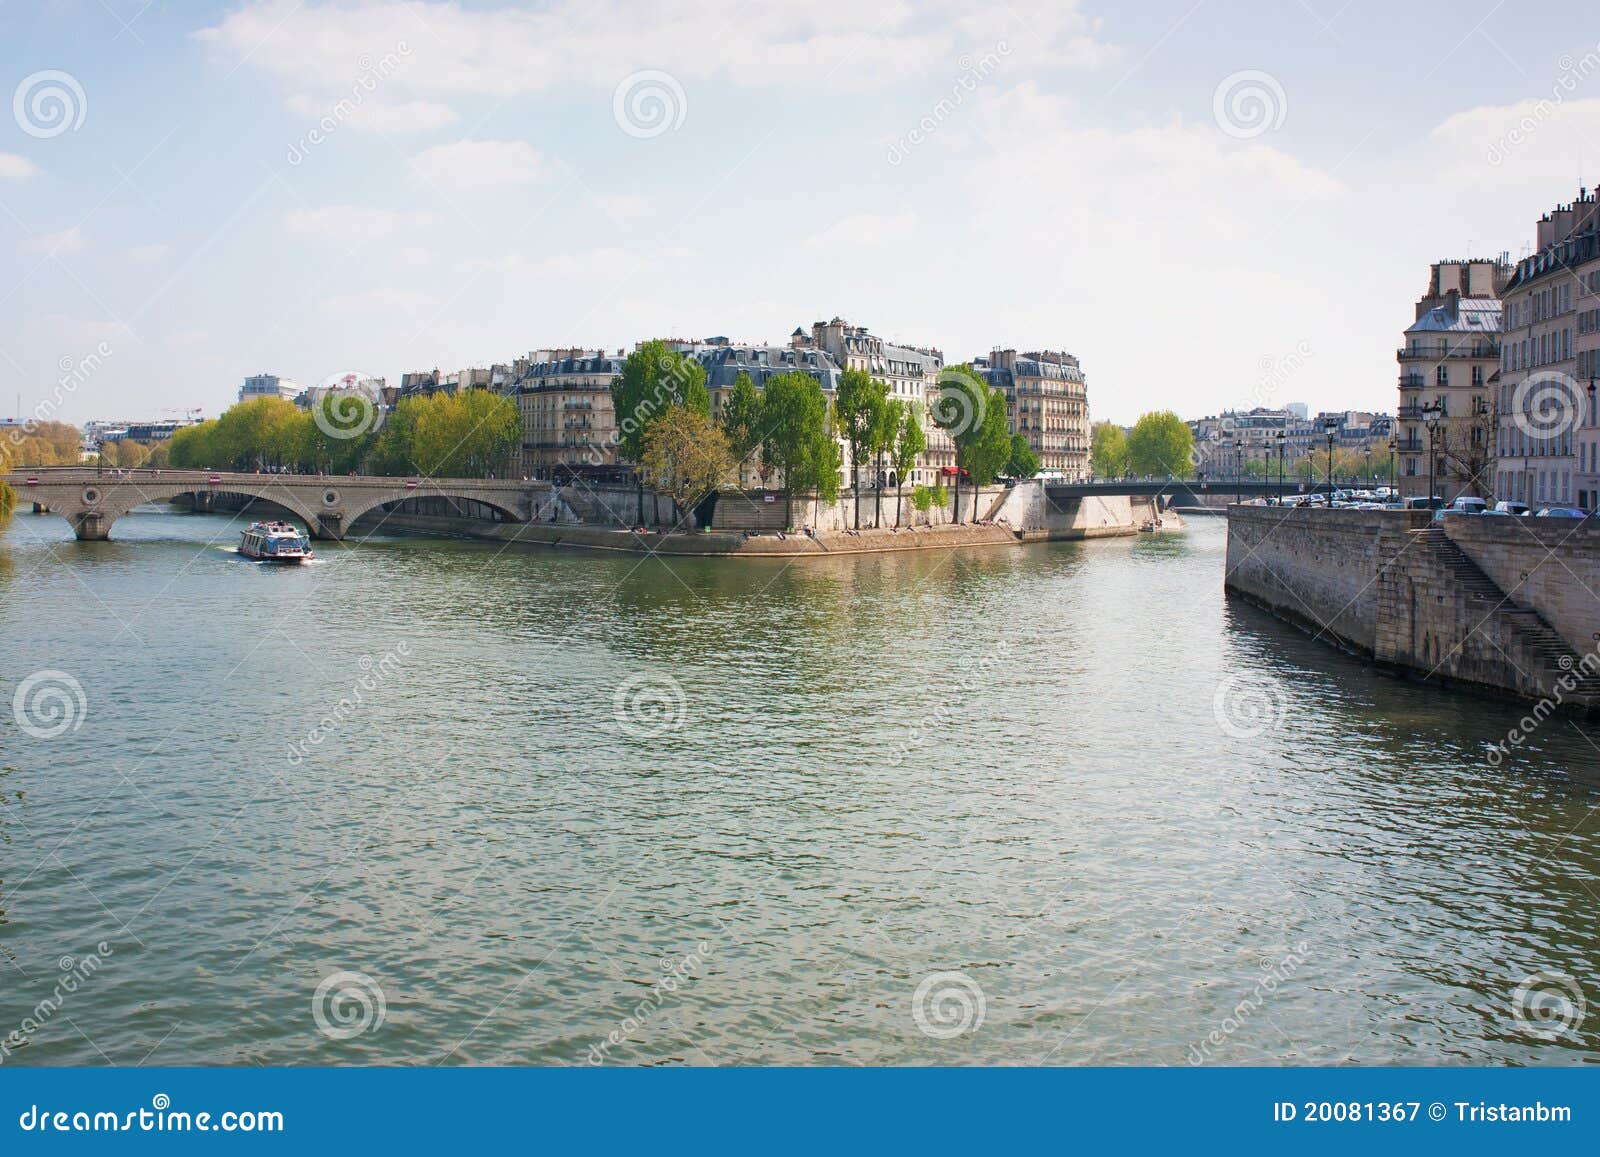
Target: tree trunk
[899,489]
[640,482]
[855,469]
[877,501]
[957,511]
[975,490]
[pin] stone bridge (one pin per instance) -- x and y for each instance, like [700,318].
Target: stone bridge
[93,499]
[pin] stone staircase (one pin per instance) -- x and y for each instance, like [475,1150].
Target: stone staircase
[1547,653]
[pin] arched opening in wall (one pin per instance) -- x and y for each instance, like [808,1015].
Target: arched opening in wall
[245,507]
[392,515]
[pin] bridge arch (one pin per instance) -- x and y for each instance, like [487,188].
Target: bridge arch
[352,505]
[93,505]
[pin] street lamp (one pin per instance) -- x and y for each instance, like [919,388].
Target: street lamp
[1238,471]
[1331,425]
[1283,448]
[1393,480]
[1430,418]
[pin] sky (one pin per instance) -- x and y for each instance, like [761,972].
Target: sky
[1213,205]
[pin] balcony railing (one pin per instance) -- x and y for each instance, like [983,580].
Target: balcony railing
[1436,352]
[1412,381]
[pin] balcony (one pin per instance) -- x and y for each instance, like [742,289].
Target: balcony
[1413,381]
[1436,351]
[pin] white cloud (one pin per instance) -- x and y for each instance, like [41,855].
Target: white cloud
[412,257]
[66,241]
[624,207]
[845,44]
[355,225]
[867,229]
[384,299]
[413,116]
[1509,144]
[146,254]
[15,168]
[476,168]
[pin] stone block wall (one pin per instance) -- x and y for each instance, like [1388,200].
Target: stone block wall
[1549,564]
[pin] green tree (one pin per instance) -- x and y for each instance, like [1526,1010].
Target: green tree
[685,457]
[796,438]
[858,414]
[986,448]
[653,380]
[975,418]
[909,442]
[1108,451]
[1023,463]
[741,418]
[1161,443]
[193,447]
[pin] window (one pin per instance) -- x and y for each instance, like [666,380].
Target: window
[1441,375]
[1477,375]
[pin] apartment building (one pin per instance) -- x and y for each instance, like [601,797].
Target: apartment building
[564,398]
[1448,362]
[1539,401]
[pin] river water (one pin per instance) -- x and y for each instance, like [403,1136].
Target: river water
[433,801]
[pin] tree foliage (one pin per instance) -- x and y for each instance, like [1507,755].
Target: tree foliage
[653,380]
[685,456]
[1108,451]
[1023,463]
[44,444]
[741,418]
[796,437]
[859,407]
[1161,444]
[909,442]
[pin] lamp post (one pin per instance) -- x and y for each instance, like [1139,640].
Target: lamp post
[1430,418]
[1594,497]
[1283,448]
[1238,471]
[1331,425]
[1393,480]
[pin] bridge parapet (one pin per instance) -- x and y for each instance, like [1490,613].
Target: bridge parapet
[93,499]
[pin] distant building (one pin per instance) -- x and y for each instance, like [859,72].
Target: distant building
[269,386]
[564,398]
[1588,367]
[1539,401]
[1449,360]
[1047,402]
[724,361]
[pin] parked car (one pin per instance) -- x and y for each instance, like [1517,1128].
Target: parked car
[1519,509]
[1561,512]
[1417,502]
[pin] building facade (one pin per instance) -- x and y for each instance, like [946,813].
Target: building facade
[568,424]
[1539,402]
[269,386]
[1449,361]
[1588,365]
[911,374]
[724,361]
[1047,402]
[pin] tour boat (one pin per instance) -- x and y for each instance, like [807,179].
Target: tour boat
[274,542]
